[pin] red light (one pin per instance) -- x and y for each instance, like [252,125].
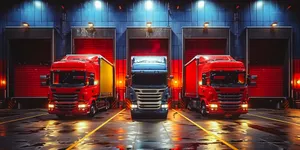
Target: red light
[120,7]
[62,7]
[298,82]
[3,82]
[120,82]
[289,6]
[177,7]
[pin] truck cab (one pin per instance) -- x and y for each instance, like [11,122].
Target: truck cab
[216,85]
[147,86]
[79,85]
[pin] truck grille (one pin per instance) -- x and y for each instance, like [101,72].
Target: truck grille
[65,97]
[230,101]
[65,107]
[149,99]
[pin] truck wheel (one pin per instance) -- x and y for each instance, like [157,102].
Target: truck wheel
[133,116]
[164,116]
[92,110]
[189,105]
[203,109]
[107,105]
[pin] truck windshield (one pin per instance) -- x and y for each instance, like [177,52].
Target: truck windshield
[149,79]
[68,78]
[227,78]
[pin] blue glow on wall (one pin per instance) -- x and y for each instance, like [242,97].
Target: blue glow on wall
[108,13]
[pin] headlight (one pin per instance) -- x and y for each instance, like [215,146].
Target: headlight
[164,106]
[133,106]
[50,106]
[82,106]
[213,106]
[244,105]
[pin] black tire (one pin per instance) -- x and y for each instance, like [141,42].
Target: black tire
[107,105]
[189,105]
[93,110]
[61,116]
[133,116]
[203,109]
[164,116]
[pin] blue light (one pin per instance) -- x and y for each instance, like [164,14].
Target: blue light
[148,5]
[97,4]
[259,4]
[201,4]
[38,4]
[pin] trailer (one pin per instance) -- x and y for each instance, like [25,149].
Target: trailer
[80,85]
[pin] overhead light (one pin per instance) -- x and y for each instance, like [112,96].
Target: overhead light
[259,4]
[201,4]
[25,24]
[90,24]
[149,24]
[38,4]
[97,4]
[148,5]
[274,24]
[206,24]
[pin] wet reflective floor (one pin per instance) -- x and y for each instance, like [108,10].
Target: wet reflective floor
[259,129]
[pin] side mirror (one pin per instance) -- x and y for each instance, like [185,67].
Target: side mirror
[44,80]
[204,80]
[92,79]
[171,77]
[251,80]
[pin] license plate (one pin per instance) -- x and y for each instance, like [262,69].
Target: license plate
[228,115]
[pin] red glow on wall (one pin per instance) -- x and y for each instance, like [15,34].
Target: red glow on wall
[148,47]
[120,78]
[296,75]
[195,47]
[104,47]
[269,81]
[27,81]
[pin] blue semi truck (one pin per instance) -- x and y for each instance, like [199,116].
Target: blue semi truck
[147,86]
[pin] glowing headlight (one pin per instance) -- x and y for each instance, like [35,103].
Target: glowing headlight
[244,105]
[133,106]
[164,106]
[213,106]
[82,106]
[50,106]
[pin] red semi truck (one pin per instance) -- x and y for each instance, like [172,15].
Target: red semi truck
[216,85]
[79,85]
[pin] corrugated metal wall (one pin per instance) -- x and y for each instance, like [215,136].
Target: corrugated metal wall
[122,14]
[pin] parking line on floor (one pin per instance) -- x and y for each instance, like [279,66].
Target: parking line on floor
[208,132]
[24,118]
[92,132]
[282,121]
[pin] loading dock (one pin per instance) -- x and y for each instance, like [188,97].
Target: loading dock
[96,40]
[203,41]
[155,41]
[269,57]
[24,68]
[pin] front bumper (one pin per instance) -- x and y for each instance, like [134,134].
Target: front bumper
[149,112]
[74,112]
[220,111]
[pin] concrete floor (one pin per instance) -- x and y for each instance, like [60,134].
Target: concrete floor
[259,129]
